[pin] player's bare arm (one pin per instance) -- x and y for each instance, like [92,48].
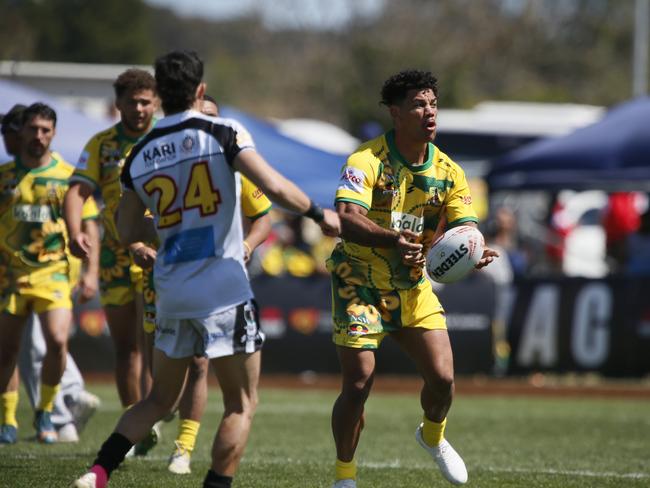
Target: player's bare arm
[358,228]
[283,191]
[132,225]
[80,243]
[89,281]
[260,228]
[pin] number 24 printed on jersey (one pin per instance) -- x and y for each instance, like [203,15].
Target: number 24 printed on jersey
[199,193]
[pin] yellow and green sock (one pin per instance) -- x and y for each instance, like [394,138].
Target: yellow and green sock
[8,408]
[433,432]
[188,430]
[346,470]
[48,394]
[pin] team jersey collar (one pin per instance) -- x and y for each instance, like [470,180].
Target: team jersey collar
[21,166]
[178,118]
[119,127]
[392,148]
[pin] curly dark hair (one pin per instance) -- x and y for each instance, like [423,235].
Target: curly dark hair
[41,110]
[134,79]
[395,88]
[178,74]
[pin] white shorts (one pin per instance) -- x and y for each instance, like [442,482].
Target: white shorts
[233,331]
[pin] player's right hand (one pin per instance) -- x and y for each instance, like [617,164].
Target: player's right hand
[331,224]
[80,245]
[410,249]
[143,255]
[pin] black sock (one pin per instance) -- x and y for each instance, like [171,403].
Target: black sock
[112,452]
[214,480]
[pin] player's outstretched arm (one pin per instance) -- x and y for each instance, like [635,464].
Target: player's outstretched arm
[73,203]
[285,192]
[132,225]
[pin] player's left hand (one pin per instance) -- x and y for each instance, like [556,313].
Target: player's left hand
[80,245]
[88,286]
[488,257]
[331,224]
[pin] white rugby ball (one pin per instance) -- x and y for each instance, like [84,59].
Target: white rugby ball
[455,254]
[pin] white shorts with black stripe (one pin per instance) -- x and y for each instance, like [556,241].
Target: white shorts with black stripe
[233,331]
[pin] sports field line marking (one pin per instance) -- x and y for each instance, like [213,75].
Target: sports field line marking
[394,464]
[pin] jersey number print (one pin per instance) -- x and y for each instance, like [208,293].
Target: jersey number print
[199,193]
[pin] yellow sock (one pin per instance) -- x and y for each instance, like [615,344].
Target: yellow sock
[433,432]
[48,393]
[345,470]
[9,405]
[187,432]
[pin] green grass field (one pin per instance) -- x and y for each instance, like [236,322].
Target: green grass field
[505,441]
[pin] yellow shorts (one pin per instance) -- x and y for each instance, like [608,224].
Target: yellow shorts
[120,280]
[363,316]
[149,295]
[38,292]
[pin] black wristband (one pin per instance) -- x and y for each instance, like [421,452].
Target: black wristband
[315,213]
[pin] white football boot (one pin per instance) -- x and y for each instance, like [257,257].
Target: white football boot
[450,463]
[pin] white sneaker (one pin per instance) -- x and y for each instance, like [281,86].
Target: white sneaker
[88,480]
[68,433]
[450,463]
[346,483]
[179,461]
[84,407]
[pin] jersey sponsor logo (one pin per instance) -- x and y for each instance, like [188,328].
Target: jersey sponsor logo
[451,260]
[403,221]
[257,194]
[352,179]
[159,154]
[467,200]
[83,160]
[188,144]
[32,213]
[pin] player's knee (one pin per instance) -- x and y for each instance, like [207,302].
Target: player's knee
[443,384]
[357,391]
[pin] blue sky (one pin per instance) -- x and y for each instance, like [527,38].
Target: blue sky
[315,14]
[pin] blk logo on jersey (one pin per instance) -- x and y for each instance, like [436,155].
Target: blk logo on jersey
[402,221]
[159,154]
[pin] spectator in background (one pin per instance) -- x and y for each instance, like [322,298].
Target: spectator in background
[502,234]
[637,248]
[621,218]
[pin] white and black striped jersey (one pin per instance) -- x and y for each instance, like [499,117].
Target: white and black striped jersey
[182,171]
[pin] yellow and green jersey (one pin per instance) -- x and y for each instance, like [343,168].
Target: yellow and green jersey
[254,202]
[398,196]
[32,230]
[100,165]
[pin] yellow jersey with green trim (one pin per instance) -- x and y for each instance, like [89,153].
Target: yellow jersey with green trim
[32,230]
[254,202]
[398,196]
[100,166]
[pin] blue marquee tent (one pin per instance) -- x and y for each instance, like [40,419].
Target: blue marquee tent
[314,170]
[612,154]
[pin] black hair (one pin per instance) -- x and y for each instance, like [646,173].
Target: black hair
[41,110]
[210,99]
[12,121]
[396,87]
[178,74]
[134,79]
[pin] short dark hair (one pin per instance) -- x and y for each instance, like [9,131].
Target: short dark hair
[41,110]
[395,88]
[12,121]
[134,79]
[178,74]
[210,99]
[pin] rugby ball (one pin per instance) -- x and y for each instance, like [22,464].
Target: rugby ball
[455,254]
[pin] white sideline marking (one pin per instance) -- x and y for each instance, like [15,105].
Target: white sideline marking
[394,464]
